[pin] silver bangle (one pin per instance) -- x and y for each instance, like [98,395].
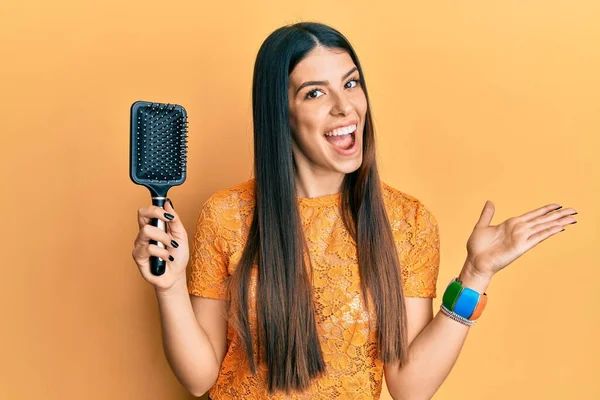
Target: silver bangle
[456,317]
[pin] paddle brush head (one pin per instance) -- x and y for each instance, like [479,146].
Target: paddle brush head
[158,147]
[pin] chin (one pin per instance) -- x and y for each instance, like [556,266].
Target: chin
[349,166]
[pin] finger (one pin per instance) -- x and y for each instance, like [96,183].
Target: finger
[149,232]
[142,219]
[486,214]
[562,222]
[542,235]
[176,228]
[144,267]
[140,251]
[551,217]
[170,203]
[146,214]
[528,216]
[157,251]
[140,254]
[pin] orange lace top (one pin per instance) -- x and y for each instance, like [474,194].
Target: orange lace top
[348,344]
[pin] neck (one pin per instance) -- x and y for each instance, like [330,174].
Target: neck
[316,183]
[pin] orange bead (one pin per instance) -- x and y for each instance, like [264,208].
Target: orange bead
[479,308]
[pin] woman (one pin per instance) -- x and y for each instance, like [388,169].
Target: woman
[314,279]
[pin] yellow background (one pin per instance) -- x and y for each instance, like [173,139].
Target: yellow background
[472,101]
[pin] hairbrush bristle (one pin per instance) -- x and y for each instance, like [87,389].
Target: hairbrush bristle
[161,143]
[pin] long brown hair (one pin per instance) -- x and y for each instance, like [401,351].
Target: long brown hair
[286,324]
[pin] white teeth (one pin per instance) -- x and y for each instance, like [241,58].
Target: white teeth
[342,131]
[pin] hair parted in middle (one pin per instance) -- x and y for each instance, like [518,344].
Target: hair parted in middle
[286,324]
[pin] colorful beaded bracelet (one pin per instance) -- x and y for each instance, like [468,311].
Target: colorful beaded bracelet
[455,316]
[463,301]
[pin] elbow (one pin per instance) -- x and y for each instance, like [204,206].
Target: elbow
[199,389]
[414,391]
[197,393]
[415,394]
[410,396]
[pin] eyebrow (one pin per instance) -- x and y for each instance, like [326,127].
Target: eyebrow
[315,83]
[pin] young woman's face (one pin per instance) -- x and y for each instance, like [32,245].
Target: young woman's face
[327,112]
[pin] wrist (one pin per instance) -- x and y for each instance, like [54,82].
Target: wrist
[180,286]
[474,279]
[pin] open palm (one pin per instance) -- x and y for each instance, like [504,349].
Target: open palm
[492,247]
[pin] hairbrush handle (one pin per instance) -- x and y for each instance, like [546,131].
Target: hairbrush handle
[157,264]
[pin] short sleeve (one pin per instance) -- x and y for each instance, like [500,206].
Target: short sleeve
[423,261]
[209,255]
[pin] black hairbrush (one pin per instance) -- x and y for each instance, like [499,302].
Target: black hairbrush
[158,151]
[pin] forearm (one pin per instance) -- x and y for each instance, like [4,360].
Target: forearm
[187,347]
[433,352]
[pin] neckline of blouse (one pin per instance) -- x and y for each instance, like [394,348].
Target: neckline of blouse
[321,201]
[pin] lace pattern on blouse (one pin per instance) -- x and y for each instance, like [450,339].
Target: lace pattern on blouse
[346,336]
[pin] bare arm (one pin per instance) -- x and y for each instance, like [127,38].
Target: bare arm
[194,330]
[490,248]
[434,346]
[194,333]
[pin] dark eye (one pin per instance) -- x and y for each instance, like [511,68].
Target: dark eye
[312,95]
[355,83]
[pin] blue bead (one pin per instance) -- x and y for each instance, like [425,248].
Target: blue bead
[466,302]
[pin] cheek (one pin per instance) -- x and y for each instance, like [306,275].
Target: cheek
[303,132]
[310,121]
[306,136]
[361,105]
[293,121]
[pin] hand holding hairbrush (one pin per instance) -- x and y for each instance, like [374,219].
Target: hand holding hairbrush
[175,247]
[158,150]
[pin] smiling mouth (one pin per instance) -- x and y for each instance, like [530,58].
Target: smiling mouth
[342,138]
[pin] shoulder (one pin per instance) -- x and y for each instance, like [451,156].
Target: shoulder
[395,197]
[229,209]
[403,208]
[399,202]
[238,197]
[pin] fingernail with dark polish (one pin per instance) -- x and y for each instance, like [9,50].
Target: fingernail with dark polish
[171,258]
[558,208]
[174,244]
[169,216]
[562,230]
[573,222]
[171,203]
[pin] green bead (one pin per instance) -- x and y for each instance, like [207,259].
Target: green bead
[451,295]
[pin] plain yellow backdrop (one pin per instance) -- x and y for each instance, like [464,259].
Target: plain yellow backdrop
[473,101]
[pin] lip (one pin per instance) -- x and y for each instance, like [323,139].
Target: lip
[352,150]
[343,125]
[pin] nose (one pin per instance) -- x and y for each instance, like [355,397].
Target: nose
[341,104]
